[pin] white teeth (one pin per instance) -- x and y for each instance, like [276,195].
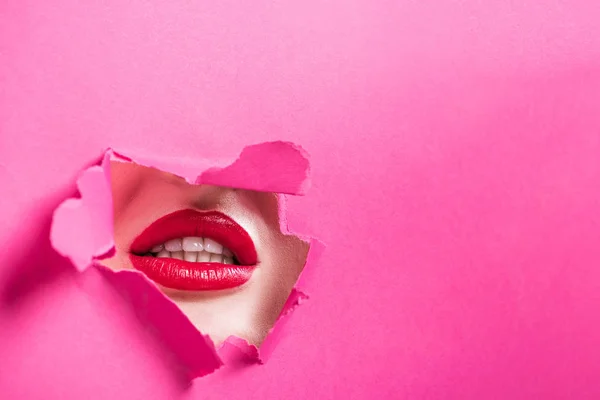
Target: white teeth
[192,243]
[173,245]
[190,256]
[193,256]
[216,258]
[194,249]
[203,256]
[212,247]
[163,254]
[157,249]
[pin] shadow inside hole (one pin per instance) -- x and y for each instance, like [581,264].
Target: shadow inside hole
[39,264]
[143,195]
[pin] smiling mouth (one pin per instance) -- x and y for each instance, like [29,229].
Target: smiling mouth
[194,250]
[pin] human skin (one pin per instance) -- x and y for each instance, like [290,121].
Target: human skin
[142,195]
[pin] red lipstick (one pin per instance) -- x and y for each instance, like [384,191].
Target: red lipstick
[184,275]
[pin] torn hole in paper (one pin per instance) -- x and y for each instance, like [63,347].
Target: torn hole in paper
[204,251]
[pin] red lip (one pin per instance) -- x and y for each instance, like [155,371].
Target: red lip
[184,275]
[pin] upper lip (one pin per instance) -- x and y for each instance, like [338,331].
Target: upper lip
[209,224]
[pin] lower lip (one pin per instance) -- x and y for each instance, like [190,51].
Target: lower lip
[183,275]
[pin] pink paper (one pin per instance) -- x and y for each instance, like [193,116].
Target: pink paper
[193,353]
[82,228]
[454,178]
[82,231]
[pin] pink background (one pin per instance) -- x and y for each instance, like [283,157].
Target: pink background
[456,183]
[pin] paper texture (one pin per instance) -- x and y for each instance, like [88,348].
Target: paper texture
[82,231]
[455,180]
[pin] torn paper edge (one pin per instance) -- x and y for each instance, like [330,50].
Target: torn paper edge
[190,346]
[245,172]
[87,217]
